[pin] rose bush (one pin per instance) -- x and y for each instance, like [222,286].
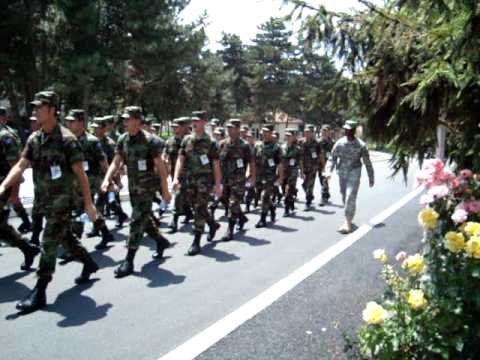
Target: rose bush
[431,305]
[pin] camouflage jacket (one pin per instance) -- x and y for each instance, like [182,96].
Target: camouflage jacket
[138,153]
[234,159]
[311,152]
[327,146]
[200,153]
[291,158]
[108,146]
[267,158]
[171,150]
[9,149]
[51,157]
[348,155]
[93,154]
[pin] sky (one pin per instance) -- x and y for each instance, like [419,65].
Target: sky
[242,17]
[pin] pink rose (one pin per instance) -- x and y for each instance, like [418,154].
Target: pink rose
[459,216]
[473,206]
[401,256]
[438,191]
[466,174]
[426,200]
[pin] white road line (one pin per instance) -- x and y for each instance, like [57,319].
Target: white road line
[208,337]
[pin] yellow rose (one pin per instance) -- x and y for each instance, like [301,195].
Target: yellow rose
[416,299]
[374,313]
[414,264]
[472,248]
[428,218]
[472,228]
[454,241]
[380,255]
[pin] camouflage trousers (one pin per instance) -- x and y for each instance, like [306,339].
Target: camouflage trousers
[290,183]
[182,202]
[349,185]
[38,214]
[141,221]
[268,187]
[234,194]
[309,183]
[8,234]
[325,187]
[199,190]
[58,231]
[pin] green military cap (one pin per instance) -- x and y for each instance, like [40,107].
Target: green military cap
[326,127]
[108,119]
[98,121]
[3,111]
[45,98]
[201,114]
[219,131]
[195,118]
[310,127]
[181,121]
[149,119]
[33,118]
[267,127]
[350,125]
[157,126]
[215,122]
[132,112]
[290,132]
[234,123]
[76,114]
[245,128]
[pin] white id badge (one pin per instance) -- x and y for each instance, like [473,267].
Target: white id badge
[86,167]
[239,163]
[204,159]
[55,172]
[292,162]
[271,163]
[314,155]
[142,165]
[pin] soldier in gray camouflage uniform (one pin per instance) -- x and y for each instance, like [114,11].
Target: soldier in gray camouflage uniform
[292,165]
[347,156]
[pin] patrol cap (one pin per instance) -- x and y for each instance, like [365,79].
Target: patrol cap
[132,112]
[98,122]
[350,125]
[244,128]
[196,119]
[3,111]
[33,118]
[326,127]
[108,119]
[215,122]
[201,114]
[181,121]
[76,114]
[45,98]
[157,126]
[234,123]
[290,132]
[149,119]
[267,127]
[310,127]
[219,131]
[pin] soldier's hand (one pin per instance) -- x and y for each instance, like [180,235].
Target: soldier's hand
[167,197]
[105,186]
[372,182]
[91,212]
[175,185]
[2,190]
[218,191]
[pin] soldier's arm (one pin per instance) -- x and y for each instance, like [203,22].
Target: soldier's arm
[117,162]
[332,162]
[162,172]
[179,167]
[368,164]
[77,168]
[217,174]
[15,174]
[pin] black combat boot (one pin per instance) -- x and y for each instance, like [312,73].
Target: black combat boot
[107,237]
[247,206]
[126,267]
[262,222]
[94,232]
[26,225]
[29,252]
[122,217]
[229,234]
[242,221]
[37,298]
[195,247]
[273,215]
[188,216]
[213,227]
[162,244]
[173,225]
[89,267]
[287,211]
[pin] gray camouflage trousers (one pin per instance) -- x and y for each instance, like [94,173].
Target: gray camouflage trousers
[349,185]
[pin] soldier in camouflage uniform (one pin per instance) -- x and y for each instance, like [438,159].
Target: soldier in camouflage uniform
[347,156]
[250,185]
[326,143]
[313,161]
[141,152]
[219,136]
[38,213]
[108,147]
[199,155]
[277,190]
[9,151]
[269,172]
[95,166]
[181,204]
[57,161]
[235,158]
[292,164]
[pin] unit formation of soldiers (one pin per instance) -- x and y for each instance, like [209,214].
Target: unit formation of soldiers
[77,174]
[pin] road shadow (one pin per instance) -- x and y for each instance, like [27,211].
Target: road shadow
[103,260]
[240,236]
[11,289]
[209,250]
[323,212]
[281,228]
[157,276]
[296,216]
[379,226]
[335,205]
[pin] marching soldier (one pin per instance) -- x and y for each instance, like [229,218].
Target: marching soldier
[251,195]
[269,172]
[141,153]
[219,136]
[313,161]
[292,163]
[38,213]
[326,143]
[57,161]
[181,204]
[199,155]
[235,159]
[95,166]
[347,156]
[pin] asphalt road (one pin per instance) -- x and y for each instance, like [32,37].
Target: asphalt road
[164,304]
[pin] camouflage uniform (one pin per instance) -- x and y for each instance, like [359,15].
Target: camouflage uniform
[327,145]
[311,151]
[200,153]
[9,151]
[347,158]
[267,158]
[51,157]
[138,153]
[251,193]
[291,158]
